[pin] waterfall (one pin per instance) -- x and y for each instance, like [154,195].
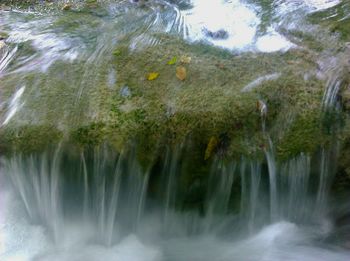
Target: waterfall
[333,86]
[37,180]
[295,176]
[111,191]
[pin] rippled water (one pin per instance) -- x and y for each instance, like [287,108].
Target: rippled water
[82,40]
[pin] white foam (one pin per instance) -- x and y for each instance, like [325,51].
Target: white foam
[273,42]
[14,106]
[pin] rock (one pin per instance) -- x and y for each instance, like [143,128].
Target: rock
[3,35]
[125,92]
[5,8]
[91,3]
[346,98]
[2,45]
[139,1]
[216,35]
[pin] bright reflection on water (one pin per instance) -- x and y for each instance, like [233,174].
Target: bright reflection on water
[234,25]
[238,20]
[321,4]
[59,38]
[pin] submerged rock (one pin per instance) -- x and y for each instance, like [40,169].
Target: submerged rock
[2,46]
[125,92]
[3,35]
[216,35]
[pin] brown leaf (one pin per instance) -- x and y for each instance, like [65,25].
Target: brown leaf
[212,144]
[181,73]
[66,7]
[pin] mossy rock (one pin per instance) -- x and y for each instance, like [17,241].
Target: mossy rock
[304,135]
[210,102]
[29,139]
[335,18]
[91,135]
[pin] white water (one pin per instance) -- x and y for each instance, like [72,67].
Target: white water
[239,21]
[14,105]
[114,218]
[20,241]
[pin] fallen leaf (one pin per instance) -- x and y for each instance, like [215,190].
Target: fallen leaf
[181,73]
[185,59]
[66,7]
[173,60]
[212,144]
[152,76]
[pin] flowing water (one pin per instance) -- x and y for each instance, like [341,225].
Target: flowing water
[98,207]
[102,205]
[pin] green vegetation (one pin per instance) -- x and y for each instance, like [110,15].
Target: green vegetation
[336,19]
[29,139]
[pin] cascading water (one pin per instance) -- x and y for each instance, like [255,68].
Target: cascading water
[106,199]
[94,203]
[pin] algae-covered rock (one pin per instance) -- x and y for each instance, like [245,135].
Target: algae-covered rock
[29,139]
[209,103]
[121,90]
[3,35]
[336,18]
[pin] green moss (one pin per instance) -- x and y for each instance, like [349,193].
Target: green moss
[304,135]
[307,39]
[342,27]
[91,135]
[3,35]
[29,138]
[335,18]
[342,178]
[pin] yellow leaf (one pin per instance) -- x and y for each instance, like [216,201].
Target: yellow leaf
[185,59]
[181,73]
[213,142]
[173,60]
[152,76]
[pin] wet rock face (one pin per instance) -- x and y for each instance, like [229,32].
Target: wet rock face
[3,36]
[216,35]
